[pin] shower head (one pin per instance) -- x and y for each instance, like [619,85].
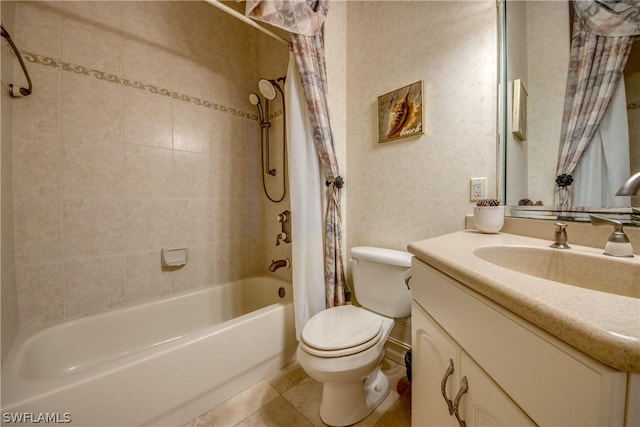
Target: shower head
[268,88]
[254,99]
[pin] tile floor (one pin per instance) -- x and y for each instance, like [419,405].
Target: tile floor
[289,398]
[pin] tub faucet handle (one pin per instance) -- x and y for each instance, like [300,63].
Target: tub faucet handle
[282,236]
[285,227]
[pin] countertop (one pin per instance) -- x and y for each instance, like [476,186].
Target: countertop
[602,325]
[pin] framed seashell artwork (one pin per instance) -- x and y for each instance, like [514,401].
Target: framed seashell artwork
[400,113]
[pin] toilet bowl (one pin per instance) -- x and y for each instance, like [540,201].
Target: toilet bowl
[348,366]
[343,347]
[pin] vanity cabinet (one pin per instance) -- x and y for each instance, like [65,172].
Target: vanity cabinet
[515,373]
[450,388]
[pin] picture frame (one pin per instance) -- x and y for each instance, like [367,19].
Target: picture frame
[400,113]
[519,118]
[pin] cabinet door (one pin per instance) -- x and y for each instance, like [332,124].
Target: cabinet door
[484,403]
[433,352]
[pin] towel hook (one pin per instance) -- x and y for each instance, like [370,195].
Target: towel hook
[21,91]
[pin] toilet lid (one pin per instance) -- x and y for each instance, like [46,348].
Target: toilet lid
[342,327]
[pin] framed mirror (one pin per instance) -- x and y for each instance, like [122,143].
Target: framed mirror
[534,43]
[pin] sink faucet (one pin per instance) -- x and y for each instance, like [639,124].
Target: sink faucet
[630,186]
[280,263]
[560,241]
[618,244]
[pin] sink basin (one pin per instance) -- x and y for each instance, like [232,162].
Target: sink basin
[589,271]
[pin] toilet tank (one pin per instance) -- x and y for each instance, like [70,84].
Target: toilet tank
[378,280]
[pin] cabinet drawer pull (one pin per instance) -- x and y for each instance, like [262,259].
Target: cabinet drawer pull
[464,387]
[443,386]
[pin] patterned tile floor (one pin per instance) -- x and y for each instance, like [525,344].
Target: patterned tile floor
[290,398]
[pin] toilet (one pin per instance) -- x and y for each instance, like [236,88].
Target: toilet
[342,347]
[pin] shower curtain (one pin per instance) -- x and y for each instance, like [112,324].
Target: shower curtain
[306,204]
[605,163]
[304,20]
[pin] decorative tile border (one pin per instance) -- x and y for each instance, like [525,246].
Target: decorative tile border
[112,78]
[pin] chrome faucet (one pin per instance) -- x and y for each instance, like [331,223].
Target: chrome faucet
[630,186]
[280,263]
[560,241]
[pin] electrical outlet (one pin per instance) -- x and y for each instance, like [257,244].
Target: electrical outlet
[478,188]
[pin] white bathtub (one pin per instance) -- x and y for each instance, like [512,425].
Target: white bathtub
[159,363]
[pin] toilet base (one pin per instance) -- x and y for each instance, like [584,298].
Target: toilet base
[346,404]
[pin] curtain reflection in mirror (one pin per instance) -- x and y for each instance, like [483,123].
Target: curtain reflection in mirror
[600,46]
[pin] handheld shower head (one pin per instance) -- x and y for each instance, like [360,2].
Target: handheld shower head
[254,99]
[267,88]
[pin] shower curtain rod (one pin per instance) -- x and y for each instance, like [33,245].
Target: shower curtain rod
[225,9]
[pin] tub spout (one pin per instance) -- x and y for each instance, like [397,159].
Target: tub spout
[280,263]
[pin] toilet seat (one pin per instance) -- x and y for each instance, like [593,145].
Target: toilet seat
[341,331]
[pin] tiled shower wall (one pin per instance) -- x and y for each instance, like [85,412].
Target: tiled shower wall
[138,136]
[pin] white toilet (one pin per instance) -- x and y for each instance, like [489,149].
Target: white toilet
[342,347]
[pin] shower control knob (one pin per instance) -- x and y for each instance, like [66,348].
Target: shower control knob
[283,217]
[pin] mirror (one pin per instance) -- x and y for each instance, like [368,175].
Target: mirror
[534,48]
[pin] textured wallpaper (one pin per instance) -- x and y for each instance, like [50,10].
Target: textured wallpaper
[418,187]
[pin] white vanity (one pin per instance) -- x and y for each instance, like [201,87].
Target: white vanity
[501,339]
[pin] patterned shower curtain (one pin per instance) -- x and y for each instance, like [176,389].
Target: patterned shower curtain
[602,38]
[304,19]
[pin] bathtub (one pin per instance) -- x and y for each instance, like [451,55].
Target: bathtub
[158,363]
